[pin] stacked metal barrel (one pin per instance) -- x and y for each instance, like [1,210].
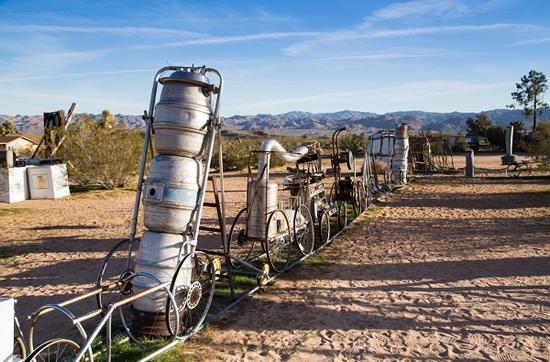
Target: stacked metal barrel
[171,192]
[400,154]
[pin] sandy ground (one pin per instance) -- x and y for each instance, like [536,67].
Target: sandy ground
[447,269]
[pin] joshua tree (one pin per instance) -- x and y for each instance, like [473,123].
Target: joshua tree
[529,95]
[8,127]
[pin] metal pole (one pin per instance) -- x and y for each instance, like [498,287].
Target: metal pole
[214,123]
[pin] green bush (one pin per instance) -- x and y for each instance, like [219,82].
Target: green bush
[98,155]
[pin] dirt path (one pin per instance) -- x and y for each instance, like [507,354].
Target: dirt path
[447,270]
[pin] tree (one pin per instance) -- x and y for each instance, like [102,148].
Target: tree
[529,95]
[8,127]
[480,125]
[540,144]
[107,119]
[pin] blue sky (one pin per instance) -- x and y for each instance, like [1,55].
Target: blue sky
[276,56]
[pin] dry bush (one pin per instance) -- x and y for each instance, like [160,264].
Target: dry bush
[107,156]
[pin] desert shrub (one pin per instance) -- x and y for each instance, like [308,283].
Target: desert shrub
[99,155]
[539,145]
[356,143]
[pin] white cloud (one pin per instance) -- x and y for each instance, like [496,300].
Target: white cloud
[415,9]
[339,36]
[127,30]
[77,75]
[421,7]
[531,42]
[382,56]
[231,39]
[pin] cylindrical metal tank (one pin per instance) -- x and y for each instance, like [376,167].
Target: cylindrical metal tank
[171,192]
[182,114]
[159,254]
[469,170]
[400,154]
[260,195]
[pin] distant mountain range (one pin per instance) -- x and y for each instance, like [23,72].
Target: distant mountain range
[322,123]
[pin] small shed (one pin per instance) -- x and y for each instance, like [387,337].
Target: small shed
[17,142]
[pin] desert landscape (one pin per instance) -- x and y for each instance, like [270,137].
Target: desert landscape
[447,268]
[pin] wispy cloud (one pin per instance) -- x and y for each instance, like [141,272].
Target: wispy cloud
[420,7]
[232,39]
[531,42]
[76,75]
[415,9]
[382,56]
[339,36]
[126,31]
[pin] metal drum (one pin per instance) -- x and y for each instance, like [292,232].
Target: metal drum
[171,191]
[400,154]
[159,255]
[182,114]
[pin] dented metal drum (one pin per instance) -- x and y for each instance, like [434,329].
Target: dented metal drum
[182,115]
[171,192]
[159,256]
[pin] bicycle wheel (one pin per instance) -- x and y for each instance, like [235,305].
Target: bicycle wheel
[324,228]
[54,350]
[193,287]
[304,230]
[239,244]
[343,215]
[278,240]
[19,348]
[113,269]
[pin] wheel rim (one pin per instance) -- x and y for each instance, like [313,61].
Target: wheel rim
[194,299]
[105,277]
[304,233]
[55,350]
[342,215]
[324,229]
[278,240]
[238,244]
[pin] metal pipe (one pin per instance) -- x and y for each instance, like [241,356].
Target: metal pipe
[271,146]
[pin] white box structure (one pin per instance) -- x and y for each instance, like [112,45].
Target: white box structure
[48,181]
[7,311]
[13,184]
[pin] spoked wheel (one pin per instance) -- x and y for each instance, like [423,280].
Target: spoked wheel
[278,240]
[304,230]
[113,269]
[360,198]
[54,350]
[193,289]
[238,242]
[324,228]
[19,348]
[343,215]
